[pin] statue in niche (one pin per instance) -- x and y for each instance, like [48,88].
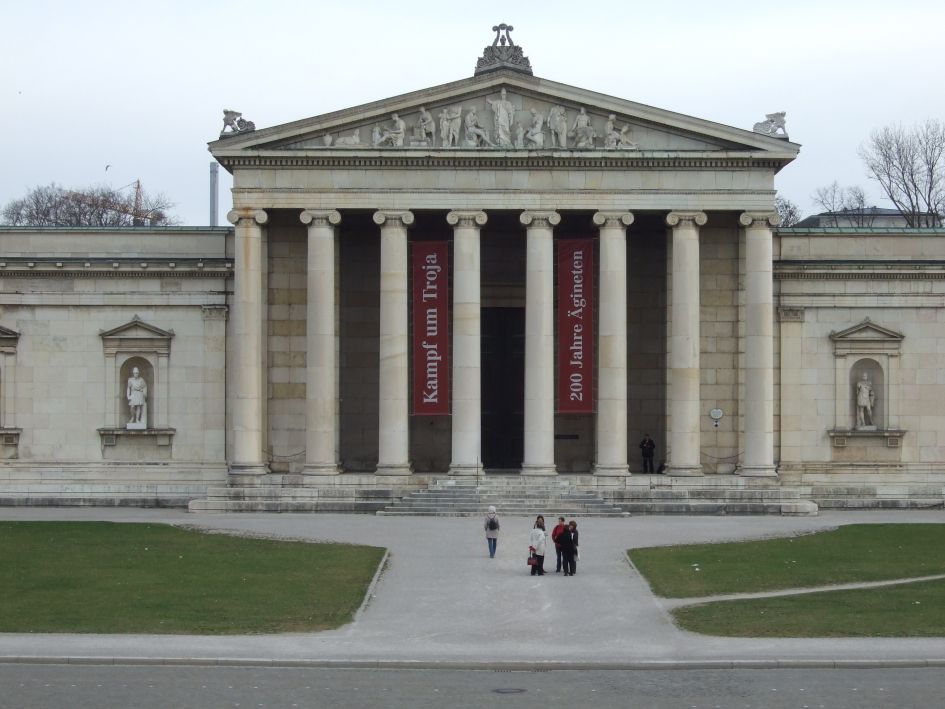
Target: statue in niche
[504,113]
[865,400]
[558,125]
[393,136]
[449,126]
[349,141]
[425,130]
[136,392]
[535,136]
[582,130]
[476,135]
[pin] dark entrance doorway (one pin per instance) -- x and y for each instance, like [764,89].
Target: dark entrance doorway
[503,388]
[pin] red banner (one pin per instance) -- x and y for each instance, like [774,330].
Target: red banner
[575,326]
[431,349]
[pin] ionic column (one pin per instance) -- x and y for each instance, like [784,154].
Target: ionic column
[467,387]
[249,457]
[611,455]
[685,400]
[321,451]
[393,407]
[539,343]
[758,407]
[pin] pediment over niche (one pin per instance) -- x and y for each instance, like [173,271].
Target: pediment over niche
[8,339]
[866,337]
[137,336]
[503,111]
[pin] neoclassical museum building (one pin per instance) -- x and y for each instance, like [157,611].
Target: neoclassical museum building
[499,278]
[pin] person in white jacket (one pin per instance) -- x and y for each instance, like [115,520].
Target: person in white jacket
[491,525]
[536,545]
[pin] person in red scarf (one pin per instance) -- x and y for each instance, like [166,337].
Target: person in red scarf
[555,536]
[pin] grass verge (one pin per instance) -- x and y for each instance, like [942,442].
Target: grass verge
[102,577]
[907,611]
[852,553]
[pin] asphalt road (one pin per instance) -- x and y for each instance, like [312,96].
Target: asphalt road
[152,687]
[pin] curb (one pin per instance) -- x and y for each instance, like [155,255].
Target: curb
[369,593]
[511,666]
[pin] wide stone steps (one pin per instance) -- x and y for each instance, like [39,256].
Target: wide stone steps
[511,496]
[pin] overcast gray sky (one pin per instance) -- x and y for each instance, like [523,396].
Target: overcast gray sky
[141,86]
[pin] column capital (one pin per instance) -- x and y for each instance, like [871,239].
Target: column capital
[752,219]
[686,219]
[234,216]
[320,217]
[540,219]
[469,218]
[613,220]
[402,218]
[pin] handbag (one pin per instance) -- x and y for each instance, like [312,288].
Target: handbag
[532,560]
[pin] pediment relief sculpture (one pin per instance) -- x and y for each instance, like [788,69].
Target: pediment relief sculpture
[504,121]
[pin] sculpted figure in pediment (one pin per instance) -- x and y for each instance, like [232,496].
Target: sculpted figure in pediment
[504,117]
[535,136]
[582,130]
[449,126]
[349,141]
[476,135]
[426,127]
[624,142]
[394,135]
[558,125]
[611,134]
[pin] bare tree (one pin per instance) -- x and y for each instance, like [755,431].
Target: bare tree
[910,167]
[846,202]
[789,213]
[101,206]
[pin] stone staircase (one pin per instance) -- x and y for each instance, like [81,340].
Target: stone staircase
[511,494]
[710,495]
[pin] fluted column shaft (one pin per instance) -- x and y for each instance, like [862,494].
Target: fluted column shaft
[611,453]
[393,406]
[467,378]
[759,346]
[247,329]
[685,398]
[321,420]
[539,343]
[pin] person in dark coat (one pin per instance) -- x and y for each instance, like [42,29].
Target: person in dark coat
[647,447]
[569,548]
[555,533]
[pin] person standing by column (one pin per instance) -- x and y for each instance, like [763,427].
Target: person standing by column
[647,447]
[555,537]
[491,525]
[536,544]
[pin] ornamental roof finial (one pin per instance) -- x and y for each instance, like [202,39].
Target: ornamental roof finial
[503,54]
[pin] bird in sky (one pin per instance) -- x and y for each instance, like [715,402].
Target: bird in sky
[107,166]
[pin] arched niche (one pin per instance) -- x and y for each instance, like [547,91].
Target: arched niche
[145,371]
[876,379]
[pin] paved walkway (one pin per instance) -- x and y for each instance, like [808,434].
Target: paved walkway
[442,601]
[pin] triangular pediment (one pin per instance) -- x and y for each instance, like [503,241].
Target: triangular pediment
[8,339]
[867,331]
[137,329]
[592,122]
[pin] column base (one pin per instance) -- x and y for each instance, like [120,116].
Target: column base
[469,470]
[394,469]
[539,469]
[757,471]
[684,471]
[249,469]
[321,469]
[612,471]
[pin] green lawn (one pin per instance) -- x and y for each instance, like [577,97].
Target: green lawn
[858,552]
[911,610]
[99,577]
